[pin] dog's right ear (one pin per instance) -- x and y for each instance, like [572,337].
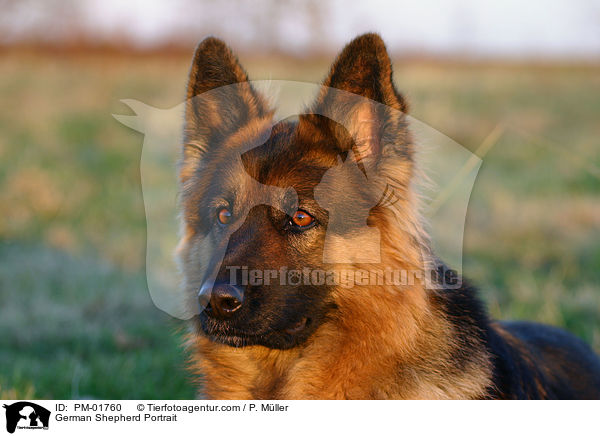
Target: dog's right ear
[220,99]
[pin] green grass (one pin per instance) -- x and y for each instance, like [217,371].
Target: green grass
[75,314]
[79,328]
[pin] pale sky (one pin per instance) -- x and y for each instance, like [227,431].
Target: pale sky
[513,28]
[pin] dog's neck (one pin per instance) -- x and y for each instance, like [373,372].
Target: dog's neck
[414,352]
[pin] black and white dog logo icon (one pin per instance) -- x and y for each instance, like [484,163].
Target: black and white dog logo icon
[26,415]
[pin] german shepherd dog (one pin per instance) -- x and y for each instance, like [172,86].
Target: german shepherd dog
[303,341]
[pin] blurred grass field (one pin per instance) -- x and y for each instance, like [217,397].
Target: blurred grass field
[76,317]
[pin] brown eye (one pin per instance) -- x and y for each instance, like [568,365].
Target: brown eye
[302,219]
[224,215]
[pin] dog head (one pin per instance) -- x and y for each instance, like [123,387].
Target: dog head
[262,201]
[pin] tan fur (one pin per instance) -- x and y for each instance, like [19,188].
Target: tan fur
[403,357]
[381,342]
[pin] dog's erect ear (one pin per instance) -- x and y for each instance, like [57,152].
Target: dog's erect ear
[373,113]
[219,98]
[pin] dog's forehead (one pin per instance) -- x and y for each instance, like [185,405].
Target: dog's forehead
[293,144]
[293,150]
[277,151]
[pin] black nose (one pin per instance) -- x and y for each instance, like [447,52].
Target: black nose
[224,300]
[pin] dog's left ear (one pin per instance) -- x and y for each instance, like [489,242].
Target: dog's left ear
[370,109]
